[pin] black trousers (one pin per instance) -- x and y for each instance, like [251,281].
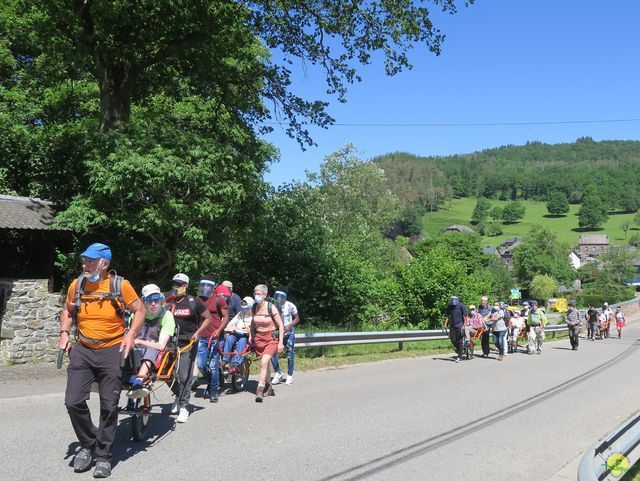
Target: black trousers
[484,340]
[86,367]
[456,335]
[573,335]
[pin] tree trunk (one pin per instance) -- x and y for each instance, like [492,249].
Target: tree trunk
[116,86]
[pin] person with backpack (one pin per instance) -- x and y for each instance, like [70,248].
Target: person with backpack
[211,337]
[573,322]
[266,321]
[592,318]
[536,322]
[454,316]
[290,319]
[192,318]
[96,303]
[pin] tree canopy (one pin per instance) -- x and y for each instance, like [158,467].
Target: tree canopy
[558,203]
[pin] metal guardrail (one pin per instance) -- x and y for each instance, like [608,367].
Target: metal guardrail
[325,339]
[612,455]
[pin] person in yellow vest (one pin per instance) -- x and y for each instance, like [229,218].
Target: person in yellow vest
[97,302]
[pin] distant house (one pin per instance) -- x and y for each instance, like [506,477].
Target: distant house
[459,228]
[590,245]
[574,260]
[490,250]
[507,248]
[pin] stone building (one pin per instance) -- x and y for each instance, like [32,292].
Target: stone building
[591,245]
[29,307]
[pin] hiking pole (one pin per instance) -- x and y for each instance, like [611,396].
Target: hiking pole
[60,356]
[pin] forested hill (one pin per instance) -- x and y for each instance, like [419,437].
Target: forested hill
[530,171]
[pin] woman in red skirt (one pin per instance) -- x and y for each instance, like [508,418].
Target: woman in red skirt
[266,320]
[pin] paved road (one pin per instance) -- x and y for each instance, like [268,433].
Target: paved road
[412,419]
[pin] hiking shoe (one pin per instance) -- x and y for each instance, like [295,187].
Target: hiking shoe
[214,397]
[103,469]
[175,406]
[183,416]
[277,378]
[289,380]
[82,460]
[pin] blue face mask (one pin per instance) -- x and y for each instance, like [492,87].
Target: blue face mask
[96,275]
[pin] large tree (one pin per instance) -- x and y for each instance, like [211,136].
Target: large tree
[142,119]
[134,48]
[593,211]
[558,203]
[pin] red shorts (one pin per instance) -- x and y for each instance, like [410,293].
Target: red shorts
[266,344]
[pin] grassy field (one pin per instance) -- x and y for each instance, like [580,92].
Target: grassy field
[458,211]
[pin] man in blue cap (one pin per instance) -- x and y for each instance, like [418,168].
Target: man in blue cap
[97,302]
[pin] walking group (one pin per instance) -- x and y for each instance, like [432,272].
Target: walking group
[506,326]
[214,330]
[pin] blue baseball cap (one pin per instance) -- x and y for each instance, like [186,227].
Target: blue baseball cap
[97,251]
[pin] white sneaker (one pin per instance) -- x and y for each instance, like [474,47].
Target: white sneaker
[277,378]
[183,416]
[174,406]
[289,380]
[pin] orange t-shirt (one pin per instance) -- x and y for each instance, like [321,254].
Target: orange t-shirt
[98,319]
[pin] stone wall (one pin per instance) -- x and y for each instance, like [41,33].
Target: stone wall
[30,329]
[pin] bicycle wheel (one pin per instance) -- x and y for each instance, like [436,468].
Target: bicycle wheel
[239,379]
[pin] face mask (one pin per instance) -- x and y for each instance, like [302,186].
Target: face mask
[96,275]
[258,299]
[181,291]
[150,315]
[473,311]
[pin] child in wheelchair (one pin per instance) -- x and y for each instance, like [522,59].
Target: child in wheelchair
[152,339]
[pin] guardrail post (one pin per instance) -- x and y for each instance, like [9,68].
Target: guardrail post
[400,346]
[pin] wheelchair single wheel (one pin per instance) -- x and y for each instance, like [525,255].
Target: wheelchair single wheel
[239,379]
[140,419]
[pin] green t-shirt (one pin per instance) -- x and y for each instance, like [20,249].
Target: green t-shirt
[168,324]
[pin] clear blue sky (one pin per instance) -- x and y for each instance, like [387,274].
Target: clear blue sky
[503,61]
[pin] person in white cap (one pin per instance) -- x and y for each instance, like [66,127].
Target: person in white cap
[152,338]
[192,318]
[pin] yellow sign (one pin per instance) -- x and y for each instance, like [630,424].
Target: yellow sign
[617,464]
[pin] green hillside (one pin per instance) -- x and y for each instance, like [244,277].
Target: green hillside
[458,211]
[528,172]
